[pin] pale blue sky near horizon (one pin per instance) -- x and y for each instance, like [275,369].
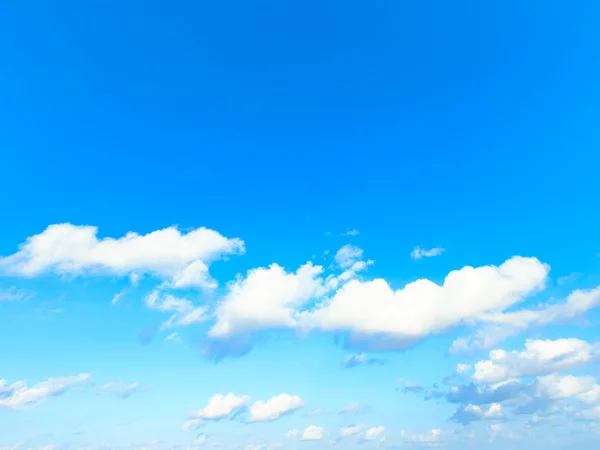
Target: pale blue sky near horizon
[344,134]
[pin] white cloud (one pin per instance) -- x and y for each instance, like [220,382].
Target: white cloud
[221,406]
[185,313]
[430,437]
[18,396]
[351,430]
[463,369]
[119,389]
[348,255]
[12,294]
[361,359]
[471,413]
[275,407]
[353,232]
[398,318]
[500,325]
[374,434]
[173,337]
[559,387]
[266,298]
[420,253]
[352,408]
[200,440]
[118,296]
[66,249]
[313,433]
[540,357]
[293,433]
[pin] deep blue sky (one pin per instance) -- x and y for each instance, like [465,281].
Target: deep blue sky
[467,125]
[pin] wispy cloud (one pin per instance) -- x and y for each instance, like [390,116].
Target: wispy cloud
[420,253]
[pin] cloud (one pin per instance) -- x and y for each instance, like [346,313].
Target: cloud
[420,253]
[293,433]
[201,439]
[221,406]
[371,311]
[274,408]
[500,325]
[348,255]
[118,296]
[374,434]
[353,232]
[73,250]
[361,360]
[351,430]
[119,389]
[18,396]
[313,433]
[266,298]
[352,408]
[185,313]
[173,337]
[12,294]
[540,357]
[472,413]
[425,438]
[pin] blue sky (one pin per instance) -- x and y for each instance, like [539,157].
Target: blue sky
[299,225]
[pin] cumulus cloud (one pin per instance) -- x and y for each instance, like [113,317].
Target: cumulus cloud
[18,396]
[420,253]
[353,232]
[374,434]
[266,298]
[66,249]
[372,311]
[274,408]
[540,357]
[313,433]
[119,389]
[221,406]
[472,413]
[361,360]
[184,311]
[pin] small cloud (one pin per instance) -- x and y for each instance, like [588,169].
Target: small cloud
[57,311]
[353,232]
[420,253]
[118,296]
[173,337]
[12,294]
[353,408]
[362,360]
[313,433]
[119,389]
[568,278]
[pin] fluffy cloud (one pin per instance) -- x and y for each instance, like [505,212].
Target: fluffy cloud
[374,434]
[500,325]
[420,253]
[394,319]
[348,255]
[313,433]
[221,406]
[540,357]
[361,360]
[119,389]
[266,298]
[18,396]
[179,258]
[184,311]
[472,413]
[559,387]
[274,408]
